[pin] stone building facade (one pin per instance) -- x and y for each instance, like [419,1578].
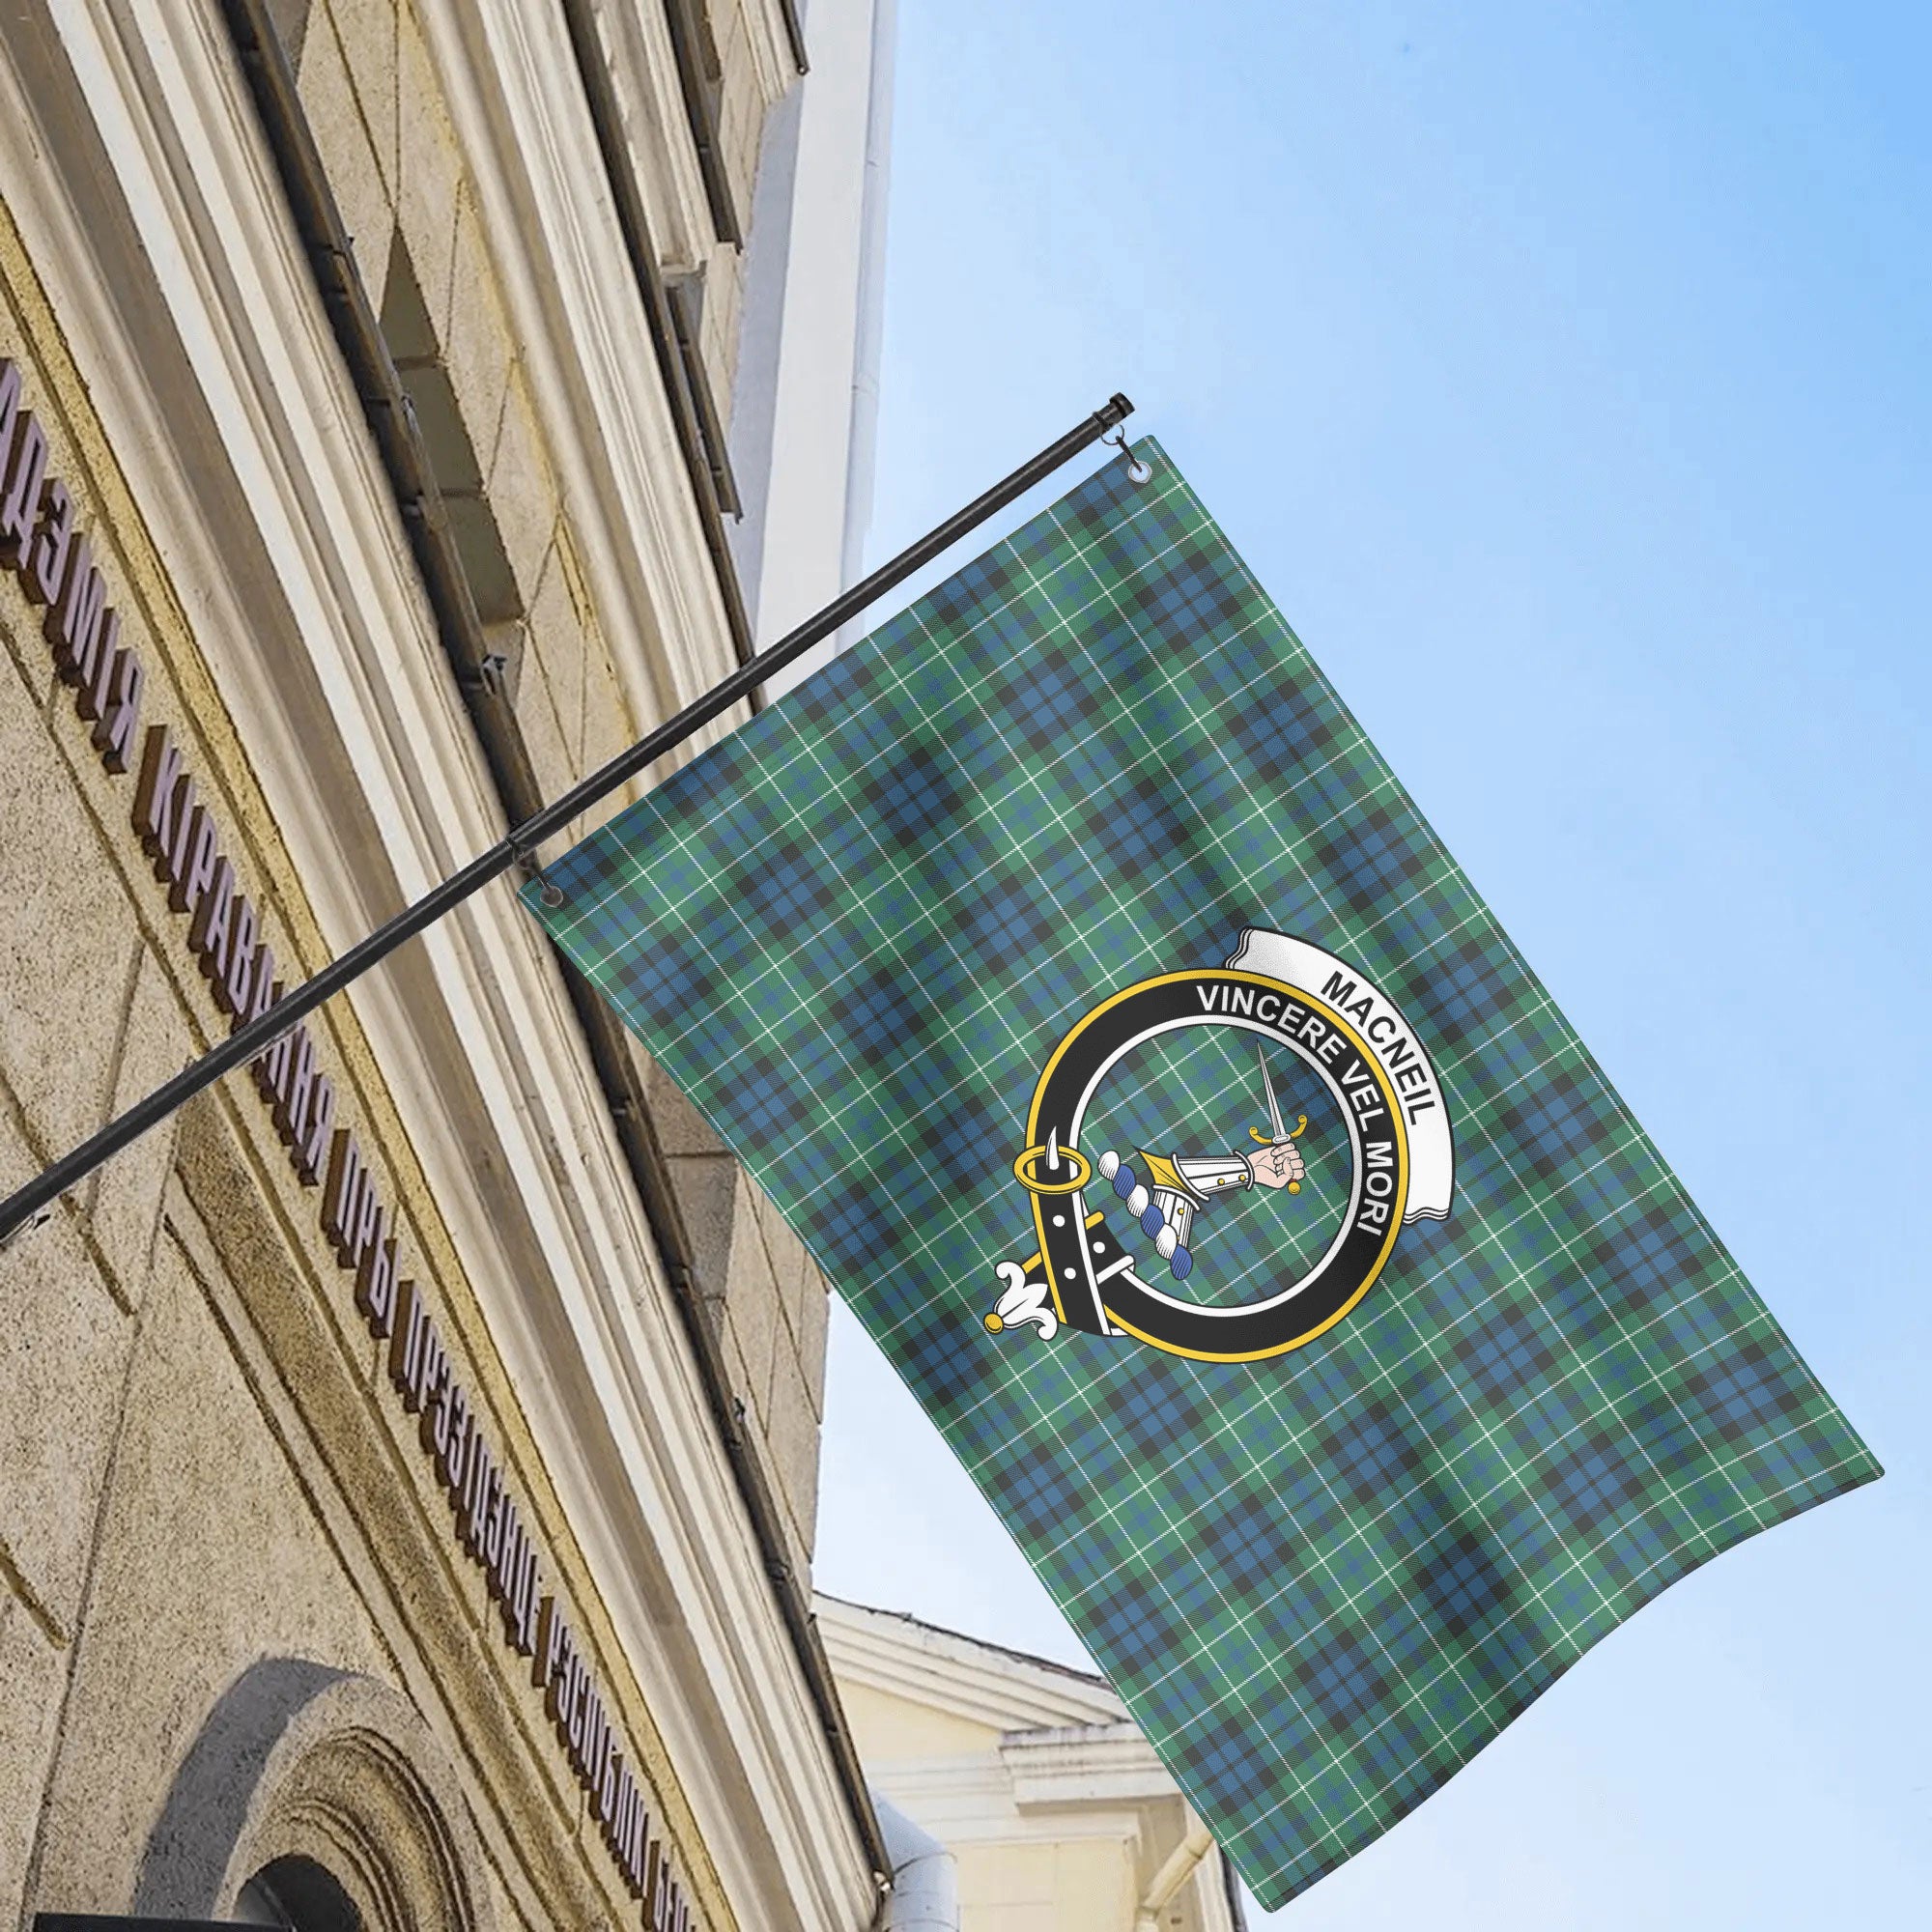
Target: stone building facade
[408,1454]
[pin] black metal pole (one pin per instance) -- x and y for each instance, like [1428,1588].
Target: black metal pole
[247,1041]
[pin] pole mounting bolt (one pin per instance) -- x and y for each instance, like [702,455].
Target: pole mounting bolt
[38,1218]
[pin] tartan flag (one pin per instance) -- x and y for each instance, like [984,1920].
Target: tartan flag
[1084,988]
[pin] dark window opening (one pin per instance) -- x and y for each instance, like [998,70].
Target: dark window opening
[410,334]
[701,76]
[686,297]
[299,1895]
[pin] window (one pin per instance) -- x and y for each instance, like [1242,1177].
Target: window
[410,335]
[685,295]
[701,76]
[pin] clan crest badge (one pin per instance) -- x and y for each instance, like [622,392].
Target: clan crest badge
[1121,1225]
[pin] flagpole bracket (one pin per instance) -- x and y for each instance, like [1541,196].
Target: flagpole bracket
[19,1233]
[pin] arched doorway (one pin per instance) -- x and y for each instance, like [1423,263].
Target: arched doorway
[315,1801]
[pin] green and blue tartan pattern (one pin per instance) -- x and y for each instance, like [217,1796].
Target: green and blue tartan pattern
[853,932]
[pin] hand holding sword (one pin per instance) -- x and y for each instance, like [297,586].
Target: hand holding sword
[1279,1163]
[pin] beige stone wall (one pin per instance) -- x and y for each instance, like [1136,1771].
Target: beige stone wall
[891,1728]
[201,1461]
[373,95]
[767,1303]
[1048,1887]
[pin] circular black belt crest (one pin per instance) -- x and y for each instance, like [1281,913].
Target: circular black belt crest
[1117,1226]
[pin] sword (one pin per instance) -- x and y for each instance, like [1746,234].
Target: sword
[1281,1134]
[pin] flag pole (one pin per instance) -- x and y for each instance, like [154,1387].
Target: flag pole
[32,1202]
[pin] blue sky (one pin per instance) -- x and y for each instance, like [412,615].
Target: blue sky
[1563,372]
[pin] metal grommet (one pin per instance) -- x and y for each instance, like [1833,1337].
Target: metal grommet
[1138,472]
[548,890]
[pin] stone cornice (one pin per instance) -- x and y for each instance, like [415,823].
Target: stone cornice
[1076,1764]
[958,1675]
